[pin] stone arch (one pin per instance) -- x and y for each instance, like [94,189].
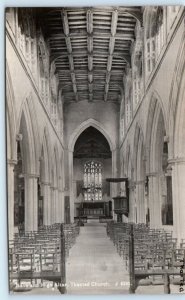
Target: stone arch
[128,163]
[138,147]
[176,125]
[139,173]
[31,135]
[55,186]
[88,123]
[160,186]
[57,162]
[179,130]
[46,151]
[155,108]
[83,126]
[11,117]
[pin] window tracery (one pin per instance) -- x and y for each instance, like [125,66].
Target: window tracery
[93,181]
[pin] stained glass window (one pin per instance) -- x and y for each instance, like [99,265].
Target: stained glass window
[93,181]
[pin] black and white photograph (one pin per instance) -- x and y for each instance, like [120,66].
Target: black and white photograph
[95,149]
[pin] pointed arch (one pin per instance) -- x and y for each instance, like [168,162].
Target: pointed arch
[128,163]
[83,126]
[156,116]
[46,149]
[10,117]
[176,112]
[27,123]
[57,162]
[138,155]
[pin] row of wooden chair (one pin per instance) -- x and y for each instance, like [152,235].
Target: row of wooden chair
[41,254]
[155,252]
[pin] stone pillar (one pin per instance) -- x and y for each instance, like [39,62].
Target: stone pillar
[53,205]
[141,216]
[114,186]
[57,207]
[154,200]
[71,194]
[46,187]
[132,202]
[178,189]
[31,202]
[61,205]
[11,165]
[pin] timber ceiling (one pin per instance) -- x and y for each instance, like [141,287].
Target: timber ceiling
[91,49]
[92,144]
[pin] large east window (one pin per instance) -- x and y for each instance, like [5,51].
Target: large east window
[92,181]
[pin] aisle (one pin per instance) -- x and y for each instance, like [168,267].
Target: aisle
[94,267]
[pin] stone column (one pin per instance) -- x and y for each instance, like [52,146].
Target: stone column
[114,186]
[31,202]
[132,202]
[57,206]
[61,205]
[154,200]
[141,216]
[11,165]
[53,205]
[71,194]
[46,187]
[178,189]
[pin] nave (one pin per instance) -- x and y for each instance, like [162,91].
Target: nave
[94,261]
[95,139]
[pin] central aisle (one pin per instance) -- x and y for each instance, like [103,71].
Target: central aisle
[93,266]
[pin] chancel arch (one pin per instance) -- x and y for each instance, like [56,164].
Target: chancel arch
[83,126]
[92,164]
[73,139]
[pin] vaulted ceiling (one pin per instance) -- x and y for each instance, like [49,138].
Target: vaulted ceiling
[91,49]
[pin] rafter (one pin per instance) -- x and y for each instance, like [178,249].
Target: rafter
[111,51]
[92,49]
[69,50]
[97,34]
[89,17]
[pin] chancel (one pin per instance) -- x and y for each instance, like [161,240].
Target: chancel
[95,106]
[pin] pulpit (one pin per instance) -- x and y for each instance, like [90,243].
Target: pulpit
[121,202]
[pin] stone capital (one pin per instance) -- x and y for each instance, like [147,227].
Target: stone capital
[54,188]
[139,182]
[31,175]
[152,174]
[12,162]
[176,160]
[45,183]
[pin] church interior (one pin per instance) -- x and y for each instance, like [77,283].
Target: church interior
[95,126]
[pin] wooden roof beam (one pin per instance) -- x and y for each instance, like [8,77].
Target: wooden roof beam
[90,43]
[114,22]
[89,18]
[69,50]
[97,34]
[65,22]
